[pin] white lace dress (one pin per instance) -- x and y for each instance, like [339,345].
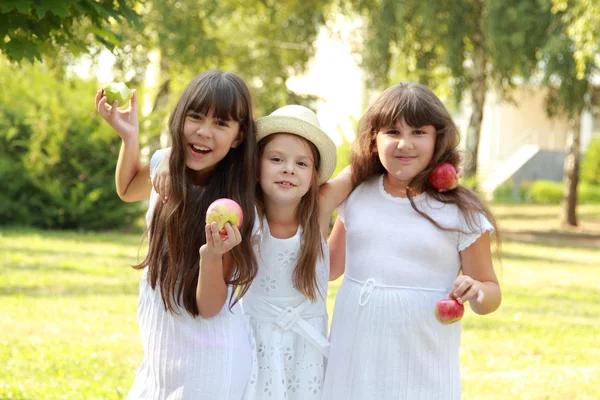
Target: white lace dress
[187,358]
[289,330]
[385,341]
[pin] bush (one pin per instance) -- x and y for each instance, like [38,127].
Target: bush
[546,192]
[543,192]
[57,158]
[590,166]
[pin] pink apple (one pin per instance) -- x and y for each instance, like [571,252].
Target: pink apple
[443,177]
[448,311]
[222,211]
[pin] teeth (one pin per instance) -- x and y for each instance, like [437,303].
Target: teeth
[200,148]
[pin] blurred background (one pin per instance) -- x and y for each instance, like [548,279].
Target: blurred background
[520,77]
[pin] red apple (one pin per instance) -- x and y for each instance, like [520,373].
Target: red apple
[448,311]
[443,177]
[222,211]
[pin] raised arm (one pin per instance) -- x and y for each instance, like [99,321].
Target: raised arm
[131,178]
[337,250]
[478,283]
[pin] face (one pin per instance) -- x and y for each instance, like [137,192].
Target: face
[208,140]
[286,168]
[404,150]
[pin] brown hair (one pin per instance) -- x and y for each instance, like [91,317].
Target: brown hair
[307,213]
[177,227]
[419,106]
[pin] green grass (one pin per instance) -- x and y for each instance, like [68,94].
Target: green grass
[68,313]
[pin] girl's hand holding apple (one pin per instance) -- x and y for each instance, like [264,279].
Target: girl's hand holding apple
[216,244]
[466,289]
[124,122]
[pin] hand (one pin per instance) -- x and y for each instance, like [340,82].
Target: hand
[465,289]
[124,122]
[162,179]
[216,245]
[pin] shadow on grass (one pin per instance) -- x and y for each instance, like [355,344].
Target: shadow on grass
[70,291]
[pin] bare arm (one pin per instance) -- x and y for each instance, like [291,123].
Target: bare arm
[337,250]
[478,275]
[215,264]
[131,178]
[331,194]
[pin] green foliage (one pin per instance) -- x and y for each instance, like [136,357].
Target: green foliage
[590,167]
[57,156]
[264,42]
[32,28]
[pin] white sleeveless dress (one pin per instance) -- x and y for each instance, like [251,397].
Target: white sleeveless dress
[290,331]
[185,357]
[385,340]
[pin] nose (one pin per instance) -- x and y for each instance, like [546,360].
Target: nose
[204,129]
[288,168]
[404,143]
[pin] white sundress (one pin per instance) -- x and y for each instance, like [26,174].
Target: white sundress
[385,340]
[185,357]
[290,331]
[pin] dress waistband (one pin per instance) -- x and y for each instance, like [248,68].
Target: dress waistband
[289,319]
[370,284]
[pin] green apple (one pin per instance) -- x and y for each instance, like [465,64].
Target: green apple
[117,91]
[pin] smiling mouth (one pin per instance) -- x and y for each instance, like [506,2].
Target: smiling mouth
[285,184]
[200,149]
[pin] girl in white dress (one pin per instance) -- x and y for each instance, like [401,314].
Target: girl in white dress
[402,246]
[286,303]
[195,339]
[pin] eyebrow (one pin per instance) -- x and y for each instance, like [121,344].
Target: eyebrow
[279,151]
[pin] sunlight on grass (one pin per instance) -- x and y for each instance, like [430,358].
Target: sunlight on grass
[69,331]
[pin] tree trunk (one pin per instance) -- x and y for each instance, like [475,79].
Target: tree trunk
[571,173]
[478,90]
[160,102]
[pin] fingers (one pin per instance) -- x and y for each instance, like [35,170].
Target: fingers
[465,289]
[98,98]
[133,112]
[165,187]
[209,237]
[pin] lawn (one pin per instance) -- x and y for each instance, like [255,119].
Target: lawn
[68,325]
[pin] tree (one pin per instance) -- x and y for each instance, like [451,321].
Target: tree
[30,29]
[264,42]
[467,45]
[569,62]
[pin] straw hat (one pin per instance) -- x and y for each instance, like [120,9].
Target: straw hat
[303,122]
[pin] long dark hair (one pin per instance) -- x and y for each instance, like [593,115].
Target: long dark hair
[177,227]
[307,213]
[419,106]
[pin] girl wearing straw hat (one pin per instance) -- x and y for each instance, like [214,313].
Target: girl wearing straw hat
[286,303]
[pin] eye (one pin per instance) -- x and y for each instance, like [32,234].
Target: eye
[222,123]
[276,159]
[391,132]
[419,132]
[194,116]
[302,164]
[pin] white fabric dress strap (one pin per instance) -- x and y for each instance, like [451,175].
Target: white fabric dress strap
[289,319]
[370,284]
